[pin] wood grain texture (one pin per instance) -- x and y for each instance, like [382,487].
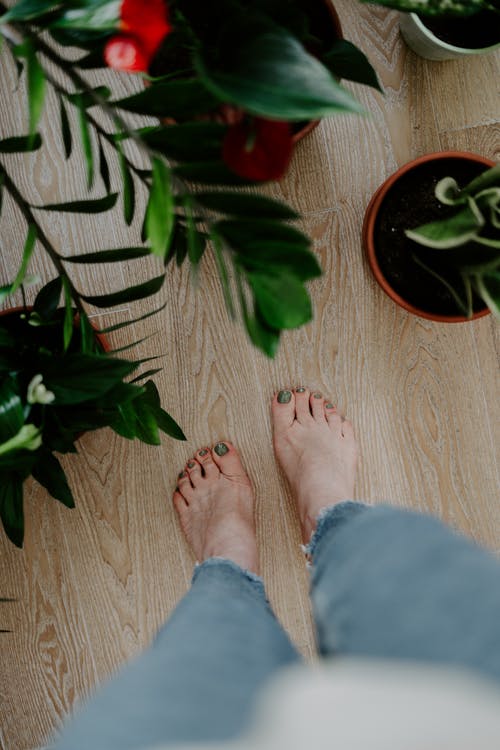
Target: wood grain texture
[93,584]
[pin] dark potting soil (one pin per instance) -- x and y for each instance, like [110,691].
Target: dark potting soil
[474,32]
[409,203]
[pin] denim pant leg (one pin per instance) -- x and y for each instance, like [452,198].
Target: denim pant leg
[395,584]
[198,679]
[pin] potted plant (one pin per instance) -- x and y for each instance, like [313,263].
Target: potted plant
[240,73]
[443,30]
[58,379]
[432,246]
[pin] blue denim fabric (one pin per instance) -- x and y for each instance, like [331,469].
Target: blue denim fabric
[198,679]
[385,583]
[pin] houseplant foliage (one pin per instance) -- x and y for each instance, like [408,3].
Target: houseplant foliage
[227,80]
[56,381]
[467,241]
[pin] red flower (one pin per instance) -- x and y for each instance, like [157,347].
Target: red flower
[258,149]
[145,25]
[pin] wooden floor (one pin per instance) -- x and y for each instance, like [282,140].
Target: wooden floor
[93,584]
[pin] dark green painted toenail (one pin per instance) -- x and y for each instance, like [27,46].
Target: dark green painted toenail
[191,464]
[284,397]
[182,475]
[329,406]
[177,489]
[221,449]
[203,452]
[300,390]
[318,395]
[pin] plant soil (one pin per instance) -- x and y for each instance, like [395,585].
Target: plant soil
[409,203]
[474,32]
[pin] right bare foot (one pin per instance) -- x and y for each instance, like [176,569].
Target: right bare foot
[317,451]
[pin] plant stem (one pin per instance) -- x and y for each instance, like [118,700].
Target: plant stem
[56,259]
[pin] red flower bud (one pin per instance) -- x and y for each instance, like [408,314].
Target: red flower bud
[258,149]
[125,53]
[145,25]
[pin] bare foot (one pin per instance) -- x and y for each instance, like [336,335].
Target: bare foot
[317,451]
[215,502]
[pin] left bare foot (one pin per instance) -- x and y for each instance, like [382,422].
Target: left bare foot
[215,502]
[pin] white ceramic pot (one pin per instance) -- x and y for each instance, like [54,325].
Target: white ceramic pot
[422,41]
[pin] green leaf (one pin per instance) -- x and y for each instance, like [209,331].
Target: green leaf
[65,129]
[196,240]
[128,188]
[87,333]
[47,299]
[109,256]
[84,376]
[241,204]
[273,258]
[27,10]
[345,60]
[35,81]
[159,218]
[125,323]
[85,138]
[29,246]
[448,192]
[21,143]
[90,98]
[96,15]
[103,168]
[488,286]
[261,334]
[11,410]
[11,507]
[49,473]
[147,374]
[489,178]
[246,234]
[131,294]
[209,173]
[94,206]
[190,141]
[273,76]
[177,99]
[221,267]
[68,325]
[449,233]
[283,301]
[165,422]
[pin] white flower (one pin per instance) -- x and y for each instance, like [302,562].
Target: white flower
[38,393]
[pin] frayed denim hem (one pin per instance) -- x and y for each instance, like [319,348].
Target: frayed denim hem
[215,562]
[330,518]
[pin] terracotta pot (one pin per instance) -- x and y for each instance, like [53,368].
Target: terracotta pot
[103,341]
[368,234]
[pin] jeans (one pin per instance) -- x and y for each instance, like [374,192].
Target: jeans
[385,583]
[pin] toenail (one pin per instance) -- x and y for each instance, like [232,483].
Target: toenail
[203,452]
[191,464]
[284,397]
[182,475]
[329,406]
[318,395]
[221,449]
[300,389]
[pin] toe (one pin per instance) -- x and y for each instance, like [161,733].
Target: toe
[209,467]
[184,485]
[302,410]
[180,503]
[228,459]
[193,469]
[317,404]
[335,420]
[330,409]
[283,410]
